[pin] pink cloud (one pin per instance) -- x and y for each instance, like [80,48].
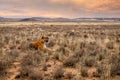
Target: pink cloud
[60,8]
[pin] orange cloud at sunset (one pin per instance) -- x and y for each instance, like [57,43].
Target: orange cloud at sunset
[93,4]
[60,8]
[106,5]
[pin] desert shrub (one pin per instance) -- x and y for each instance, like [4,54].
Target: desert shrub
[6,39]
[3,66]
[82,45]
[69,75]
[1,53]
[70,62]
[28,71]
[24,71]
[47,58]
[51,44]
[56,56]
[92,48]
[12,47]
[118,40]
[78,54]
[62,50]
[64,44]
[102,54]
[44,67]
[101,57]
[71,34]
[89,62]
[84,72]
[13,53]
[9,57]
[24,46]
[1,44]
[115,65]
[85,36]
[72,46]
[93,53]
[31,60]
[17,41]
[99,71]
[110,45]
[36,75]
[58,73]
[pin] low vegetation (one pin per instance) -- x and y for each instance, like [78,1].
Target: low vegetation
[82,52]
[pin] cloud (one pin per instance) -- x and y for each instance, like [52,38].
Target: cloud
[60,8]
[101,5]
[106,5]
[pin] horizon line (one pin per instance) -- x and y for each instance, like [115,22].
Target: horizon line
[52,17]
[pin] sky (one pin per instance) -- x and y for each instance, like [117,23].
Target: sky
[60,8]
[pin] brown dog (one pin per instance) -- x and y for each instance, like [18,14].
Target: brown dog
[40,44]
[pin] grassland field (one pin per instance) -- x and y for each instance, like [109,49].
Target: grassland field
[82,51]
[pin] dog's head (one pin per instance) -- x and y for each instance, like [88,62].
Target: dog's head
[45,39]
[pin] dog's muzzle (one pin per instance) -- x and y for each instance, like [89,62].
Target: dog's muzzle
[46,41]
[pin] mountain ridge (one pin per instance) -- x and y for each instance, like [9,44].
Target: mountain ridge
[58,19]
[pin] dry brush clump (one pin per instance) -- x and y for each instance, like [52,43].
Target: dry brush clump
[84,72]
[99,71]
[6,61]
[28,63]
[30,73]
[70,62]
[3,67]
[69,75]
[89,62]
[36,75]
[31,59]
[115,65]
[58,73]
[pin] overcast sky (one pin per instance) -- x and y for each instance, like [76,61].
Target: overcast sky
[60,8]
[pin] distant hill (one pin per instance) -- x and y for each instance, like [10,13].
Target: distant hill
[98,19]
[28,19]
[69,20]
[58,19]
[45,19]
[1,18]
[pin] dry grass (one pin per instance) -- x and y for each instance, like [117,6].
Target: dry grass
[81,52]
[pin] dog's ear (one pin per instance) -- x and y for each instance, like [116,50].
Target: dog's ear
[42,37]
